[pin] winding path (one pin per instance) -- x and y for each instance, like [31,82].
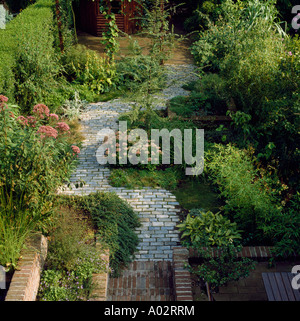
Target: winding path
[149,276]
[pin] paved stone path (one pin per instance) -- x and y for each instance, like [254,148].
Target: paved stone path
[157,208]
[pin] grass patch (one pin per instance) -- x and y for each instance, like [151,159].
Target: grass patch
[193,193]
[190,193]
[133,178]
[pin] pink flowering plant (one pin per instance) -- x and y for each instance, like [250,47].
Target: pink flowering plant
[149,155]
[36,157]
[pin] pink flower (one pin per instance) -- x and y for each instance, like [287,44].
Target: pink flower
[54,116]
[31,121]
[290,53]
[23,120]
[47,131]
[41,111]
[63,127]
[3,99]
[75,149]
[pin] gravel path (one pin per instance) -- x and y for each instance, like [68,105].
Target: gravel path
[157,208]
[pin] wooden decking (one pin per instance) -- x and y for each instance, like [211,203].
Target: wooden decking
[279,288]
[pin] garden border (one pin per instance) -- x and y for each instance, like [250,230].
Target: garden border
[183,278]
[26,279]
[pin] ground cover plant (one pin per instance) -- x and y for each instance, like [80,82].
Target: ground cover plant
[72,258]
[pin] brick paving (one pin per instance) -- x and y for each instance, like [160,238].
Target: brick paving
[143,281]
[157,208]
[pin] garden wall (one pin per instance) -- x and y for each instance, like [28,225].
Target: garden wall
[246,289]
[25,281]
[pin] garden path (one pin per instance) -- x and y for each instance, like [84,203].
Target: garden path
[157,208]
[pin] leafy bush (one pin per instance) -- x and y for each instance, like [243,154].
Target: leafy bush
[207,232]
[36,156]
[258,69]
[208,229]
[208,96]
[36,63]
[225,267]
[72,258]
[252,197]
[236,20]
[133,71]
[285,229]
[137,152]
[85,67]
[116,222]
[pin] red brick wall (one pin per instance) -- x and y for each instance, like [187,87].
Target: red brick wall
[25,282]
[183,278]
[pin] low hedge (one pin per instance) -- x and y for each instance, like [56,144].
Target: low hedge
[29,62]
[116,222]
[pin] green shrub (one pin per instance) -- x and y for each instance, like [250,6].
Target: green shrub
[235,22]
[208,229]
[223,268]
[72,258]
[208,96]
[85,67]
[29,67]
[285,229]
[251,195]
[135,70]
[116,222]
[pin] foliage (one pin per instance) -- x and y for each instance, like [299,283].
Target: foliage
[86,68]
[137,152]
[36,157]
[252,195]
[73,108]
[258,69]
[109,36]
[138,72]
[237,20]
[155,24]
[115,221]
[206,98]
[207,229]
[285,229]
[72,258]
[31,72]
[135,178]
[223,268]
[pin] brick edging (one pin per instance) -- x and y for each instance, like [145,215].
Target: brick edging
[182,277]
[25,281]
[100,282]
[253,252]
